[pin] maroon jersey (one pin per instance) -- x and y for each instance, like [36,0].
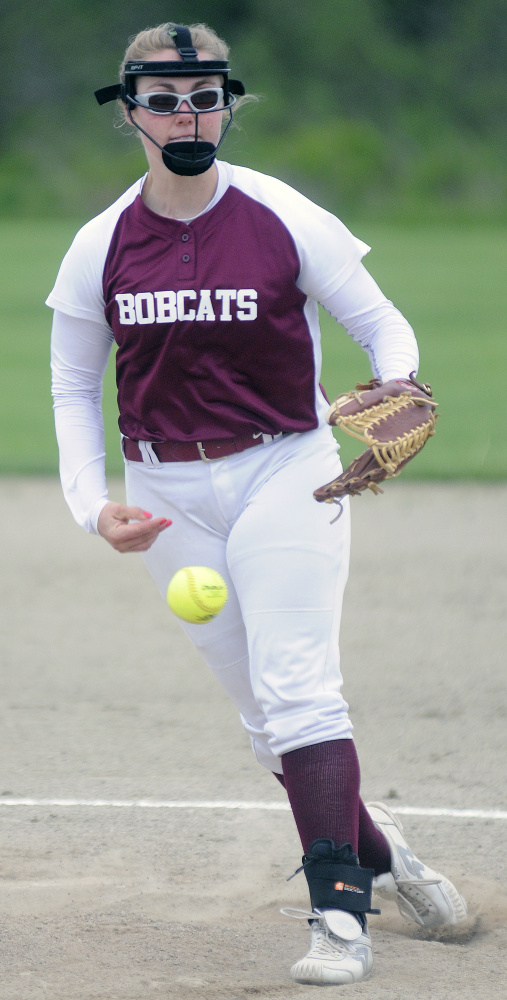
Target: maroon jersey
[215,320]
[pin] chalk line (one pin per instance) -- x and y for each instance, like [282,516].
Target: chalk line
[235,804]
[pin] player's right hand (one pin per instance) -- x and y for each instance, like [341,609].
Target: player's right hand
[129,529]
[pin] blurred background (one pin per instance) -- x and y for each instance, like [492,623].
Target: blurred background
[390,113]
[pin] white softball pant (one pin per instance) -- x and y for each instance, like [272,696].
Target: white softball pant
[274,648]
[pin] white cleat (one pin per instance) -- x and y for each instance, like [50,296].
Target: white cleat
[420,893]
[340,950]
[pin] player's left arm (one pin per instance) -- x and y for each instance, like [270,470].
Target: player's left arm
[376,324]
[332,274]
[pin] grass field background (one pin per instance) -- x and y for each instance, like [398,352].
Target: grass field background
[449,282]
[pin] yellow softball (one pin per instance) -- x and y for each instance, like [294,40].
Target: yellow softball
[197,594]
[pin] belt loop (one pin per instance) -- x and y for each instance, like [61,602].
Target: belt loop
[202,453]
[148,453]
[266,438]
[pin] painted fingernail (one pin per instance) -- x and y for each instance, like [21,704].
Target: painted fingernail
[147,513]
[165,521]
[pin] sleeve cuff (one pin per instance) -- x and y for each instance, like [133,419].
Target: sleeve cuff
[94,514]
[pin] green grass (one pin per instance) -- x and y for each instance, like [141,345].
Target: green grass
[450,283]
[30,254]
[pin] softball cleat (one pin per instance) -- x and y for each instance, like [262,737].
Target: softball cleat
[420,893]
[338,956]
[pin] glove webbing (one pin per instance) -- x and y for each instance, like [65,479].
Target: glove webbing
[390,454]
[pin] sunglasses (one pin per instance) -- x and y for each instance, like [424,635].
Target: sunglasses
[166,103]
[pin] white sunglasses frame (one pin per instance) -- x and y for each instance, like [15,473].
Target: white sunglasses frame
[219,91]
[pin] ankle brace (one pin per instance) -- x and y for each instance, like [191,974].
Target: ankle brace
[335,879]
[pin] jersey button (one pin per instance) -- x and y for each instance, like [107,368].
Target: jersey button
[185,237]
[185,258]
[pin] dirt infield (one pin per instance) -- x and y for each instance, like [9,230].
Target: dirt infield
[103,700]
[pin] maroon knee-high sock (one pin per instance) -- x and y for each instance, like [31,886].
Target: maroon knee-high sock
[322,783]
[372,847]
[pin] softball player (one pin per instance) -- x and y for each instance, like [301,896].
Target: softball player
[208,276]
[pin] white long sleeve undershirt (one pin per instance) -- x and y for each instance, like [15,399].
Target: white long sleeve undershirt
[374,322]
[80,351]
[79,354]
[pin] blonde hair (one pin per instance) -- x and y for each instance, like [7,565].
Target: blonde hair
[151,40]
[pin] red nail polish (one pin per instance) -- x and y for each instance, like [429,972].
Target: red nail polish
[147,514]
